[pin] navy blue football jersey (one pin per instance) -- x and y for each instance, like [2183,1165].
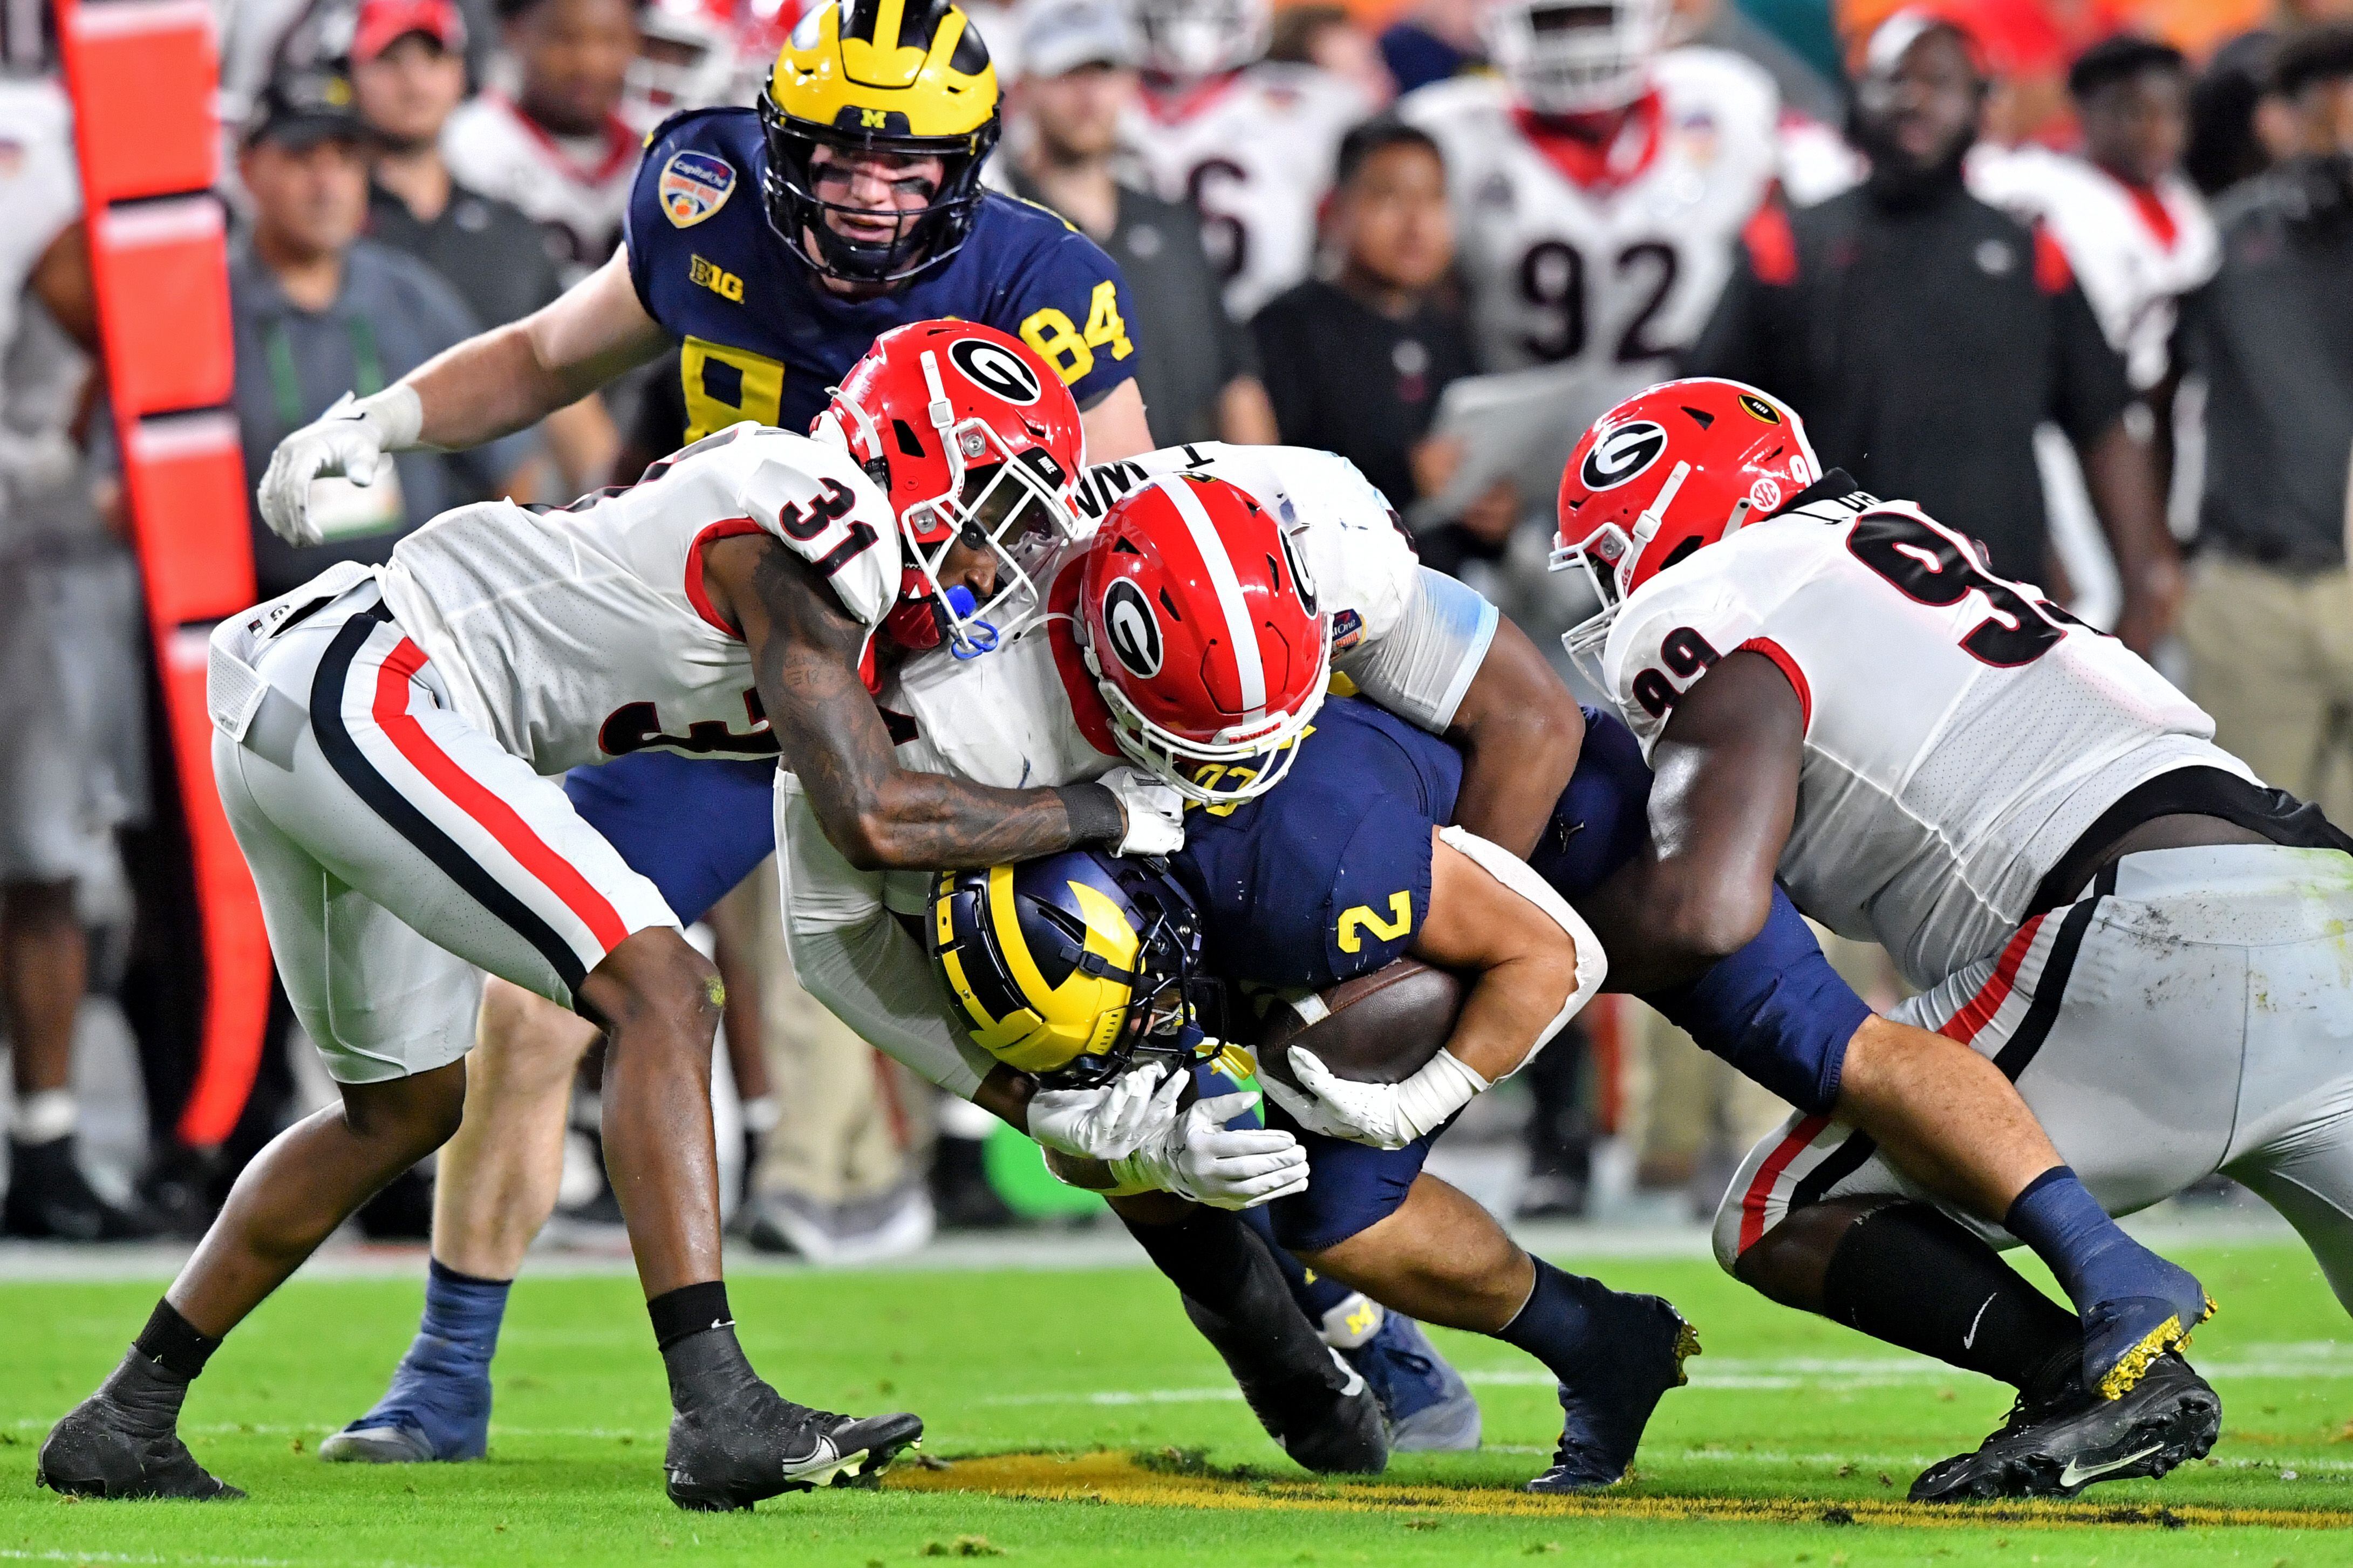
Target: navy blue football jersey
[1326,876]
[761,337]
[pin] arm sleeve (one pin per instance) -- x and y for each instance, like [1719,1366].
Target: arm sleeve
[857,960]
[1071,303]
[1422,668]
[2090,386]
[1775,1010]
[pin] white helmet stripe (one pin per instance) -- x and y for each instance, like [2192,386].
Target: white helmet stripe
[1238,629]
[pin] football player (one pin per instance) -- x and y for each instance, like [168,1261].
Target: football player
[1249,141]
[559,148]
[1112,674]
[1598,184]
[2107,909]
[1422,643]
[384,738]
[773,245]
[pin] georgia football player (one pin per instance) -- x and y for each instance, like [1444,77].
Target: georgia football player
[2114,912]
[1251,143]
[386,744]
[1598,184]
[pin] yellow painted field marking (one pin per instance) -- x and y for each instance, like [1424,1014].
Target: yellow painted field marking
[1118,1477]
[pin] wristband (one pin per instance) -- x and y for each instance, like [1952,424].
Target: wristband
[1094,812]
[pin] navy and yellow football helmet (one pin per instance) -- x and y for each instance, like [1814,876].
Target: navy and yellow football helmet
[1074,967]
[910,76]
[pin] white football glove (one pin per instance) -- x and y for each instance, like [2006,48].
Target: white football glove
[351,438]
[1110,1121]
[1198,1159]
[1384,1115]
[1156,812]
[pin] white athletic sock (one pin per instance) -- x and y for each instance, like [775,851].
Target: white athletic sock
[44,1117]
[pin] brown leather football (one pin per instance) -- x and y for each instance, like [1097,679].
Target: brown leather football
[1377,1028]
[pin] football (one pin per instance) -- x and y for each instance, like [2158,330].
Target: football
[1377,1028]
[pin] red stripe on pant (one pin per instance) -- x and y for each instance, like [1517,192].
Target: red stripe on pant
[1760,1190]
[469,795]
[1977,1012]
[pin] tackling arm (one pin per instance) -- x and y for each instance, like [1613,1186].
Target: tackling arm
[805,659]
[1721,805]
[1519,730]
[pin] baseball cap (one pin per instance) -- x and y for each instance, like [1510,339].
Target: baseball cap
[384,22]
[1060,36]
[302,110]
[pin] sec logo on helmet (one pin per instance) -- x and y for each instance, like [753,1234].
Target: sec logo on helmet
[1131,628]
[1622,454]
[994,369]
[693,186]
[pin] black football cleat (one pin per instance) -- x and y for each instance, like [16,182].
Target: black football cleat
[2125,1337]
[49,1199]
[2058,1447]
[757,1444]
[1605,1412]
[110,1448]
[1321,1409]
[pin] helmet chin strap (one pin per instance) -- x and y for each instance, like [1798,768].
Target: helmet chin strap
[1653,516]
[943,414]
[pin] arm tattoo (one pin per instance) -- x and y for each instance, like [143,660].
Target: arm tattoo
[805,657]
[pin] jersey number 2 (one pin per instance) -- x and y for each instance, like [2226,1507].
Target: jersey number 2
[1929,566]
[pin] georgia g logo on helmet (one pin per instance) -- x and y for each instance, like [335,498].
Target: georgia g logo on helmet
[1131,628]
[1622,454]
[993,370]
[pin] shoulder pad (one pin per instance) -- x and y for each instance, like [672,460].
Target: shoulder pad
[686,116]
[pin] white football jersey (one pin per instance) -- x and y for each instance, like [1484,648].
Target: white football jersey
[1961,732]
[1028,716]
[40,186]
[579,635]
[578,188]
[1612,278]
[1254,153]
[2136,252]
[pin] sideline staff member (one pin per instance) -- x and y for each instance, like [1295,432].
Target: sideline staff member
[2270,623]
[1923,336]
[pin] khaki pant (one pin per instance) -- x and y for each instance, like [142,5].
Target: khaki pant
[843,1130]
[2271,657]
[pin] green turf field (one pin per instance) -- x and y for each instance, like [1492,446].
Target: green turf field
[1793,1446]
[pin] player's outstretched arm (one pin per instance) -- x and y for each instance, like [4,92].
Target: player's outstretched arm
[1520,731]
[491,384]
[805,652]
[1721,803]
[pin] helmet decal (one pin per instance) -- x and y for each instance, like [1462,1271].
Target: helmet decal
[1758,408]
[1766,493]
[996,371]
[1622,454]
[1132,628]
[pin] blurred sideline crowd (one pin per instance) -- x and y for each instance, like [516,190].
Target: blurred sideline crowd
[2075,275]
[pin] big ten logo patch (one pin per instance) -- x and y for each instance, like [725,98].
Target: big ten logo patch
[706,274]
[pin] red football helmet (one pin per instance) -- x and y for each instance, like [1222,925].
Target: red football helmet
[1200,624]
[976,441]
[1665,472]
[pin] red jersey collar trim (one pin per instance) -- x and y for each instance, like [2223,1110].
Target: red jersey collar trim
[1602,167]
[1175,108]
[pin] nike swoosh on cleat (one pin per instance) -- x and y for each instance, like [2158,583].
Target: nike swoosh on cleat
[2074,1477]
[1970,1338]
[1355,1384]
